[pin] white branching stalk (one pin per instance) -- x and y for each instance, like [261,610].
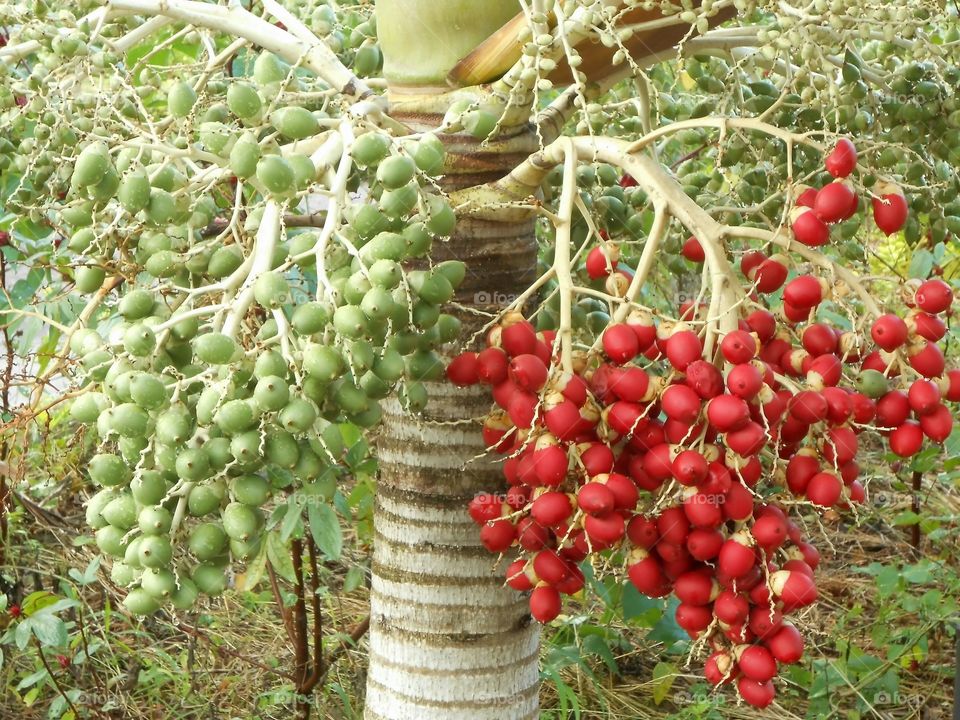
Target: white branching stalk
[562,261]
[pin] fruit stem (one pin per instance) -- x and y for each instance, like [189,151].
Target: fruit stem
[561,261]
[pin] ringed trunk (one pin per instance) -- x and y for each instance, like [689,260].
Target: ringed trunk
[447,640]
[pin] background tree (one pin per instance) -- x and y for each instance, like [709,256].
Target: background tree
[270,246]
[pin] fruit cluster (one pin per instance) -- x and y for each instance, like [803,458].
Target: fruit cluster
[681,459]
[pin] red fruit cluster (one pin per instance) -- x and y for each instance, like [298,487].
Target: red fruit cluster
[679,458]
[817,209]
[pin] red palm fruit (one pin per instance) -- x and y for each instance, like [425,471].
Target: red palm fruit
[518,338]
[749,472]
[927,359]
[731,607]
[602,260]
[496,427]
[824,371]
[927,326]
[693,618]
[793,430]
[750,261]
[681,403]
[670,554]
[696,587]
[807,196]
[889,332]
[492,366]
[704,544]
[803,292]
[624,491]
[595,498]
[842,159]
[602,381]
[840,445]
[765,621]
[690,468]
[562,418]
[678,433]
[528,372]
[893,409]
[772,353]
[793,314]
[824,489]
[673,526]
[498,535]
[807,227]
[786,645]
[503,393]
[763,323]
[575,547]
[738,347]
[549,567]
[770,275]
[719,479]
[620,343]
[890,211]
[464,369]
[604,531]
[545,603]
[658,464]
[774,409]
[950,384]
[795,589]
[800,470]
[907,439]
[573,582]
[748,440]
[533,536]
[642,532]
[517,576]
[692,250]
[551,508]
[544,351]
[596,458]
[485,507]
[641,322]
[646,573]
[835,201]
[937,425]
[702,510]
[811,556]
[924,396]
[736,557]
[550,465]
[849,472]
[631,384]
[819,339]
[720,668]
[808,406]
[682,348]
[704,378]
[770,532]
[744,381]
[738,504]
[647,435]
[756,663]
[572,387]
[522,408]
[624,417]
[864,409]
[727,413]
[839,404]
[739,634]
[755,693]
[874,361]
[511,470]
[628,181]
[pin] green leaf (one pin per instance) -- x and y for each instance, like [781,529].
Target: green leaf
[36,601]
[325,528]
[354,579]
[664,674]
[254,572]
[291,521]
[49,630]
[921,264]
[597,645]
[279,556]
[906,518]
[32,679]
[89,575]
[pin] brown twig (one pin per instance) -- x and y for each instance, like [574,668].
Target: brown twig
[278,598]
[358,631]
[318,663]
[53,678]
[915,507]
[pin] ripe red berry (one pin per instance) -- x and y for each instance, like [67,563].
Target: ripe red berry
[601,261]
[727,413]
[528,372]
[795,589]
[757,663]
[824,489]
[595,498]
[933,296]
[647,576]
[551,508]
[692,250]
[516,576]
[924,396]
[890,211]
[755,693]
[907,439]
[842,159]
[787,645]
[545,603]
[620,343]
[738,347]
[889,332]
[736,558]
[835,201]
[770,275]
[803,292]
[498,535]
[808,228]
[464,369]
[492,364]
[682,348]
